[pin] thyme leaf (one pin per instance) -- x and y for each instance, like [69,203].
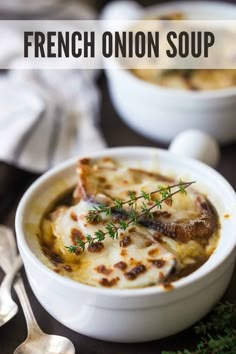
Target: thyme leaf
[111,229]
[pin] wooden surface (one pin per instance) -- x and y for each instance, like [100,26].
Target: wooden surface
[12,184]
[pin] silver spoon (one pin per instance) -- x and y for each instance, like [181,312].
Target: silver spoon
[37,342]
[8,307]
[8,249]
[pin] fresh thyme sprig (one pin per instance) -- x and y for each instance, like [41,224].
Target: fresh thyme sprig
[131,217]
[94,214]
[217,332]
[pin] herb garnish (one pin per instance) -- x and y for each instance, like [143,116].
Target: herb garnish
[217,332]
[111,229]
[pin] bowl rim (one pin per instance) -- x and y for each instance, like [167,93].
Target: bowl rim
[214,94]
[52,173]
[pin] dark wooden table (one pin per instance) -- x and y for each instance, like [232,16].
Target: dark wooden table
[12,184]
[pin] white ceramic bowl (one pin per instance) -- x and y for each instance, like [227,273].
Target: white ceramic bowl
[138,314]
[160,113]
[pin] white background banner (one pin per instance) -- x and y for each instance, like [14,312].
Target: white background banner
[146,44]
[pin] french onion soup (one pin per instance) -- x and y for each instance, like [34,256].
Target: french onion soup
[125,228]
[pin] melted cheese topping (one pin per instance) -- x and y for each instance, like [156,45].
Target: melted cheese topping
[113,262]
[140,257]
[105,181]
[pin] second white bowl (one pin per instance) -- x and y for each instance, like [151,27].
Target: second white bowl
[161,113]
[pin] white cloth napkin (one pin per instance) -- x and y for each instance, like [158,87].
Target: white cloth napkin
[47,117]
[47,9]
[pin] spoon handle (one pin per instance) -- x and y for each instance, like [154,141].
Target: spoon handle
[10,275]
[32,325]
[8,250]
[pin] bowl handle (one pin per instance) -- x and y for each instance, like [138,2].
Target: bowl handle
[197,145]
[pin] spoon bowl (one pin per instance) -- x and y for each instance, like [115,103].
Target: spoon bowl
[37,341]
[8,310]
[8,307]
[47,344]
